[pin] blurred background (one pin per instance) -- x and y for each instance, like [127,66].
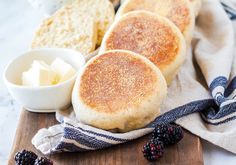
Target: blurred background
[18,22]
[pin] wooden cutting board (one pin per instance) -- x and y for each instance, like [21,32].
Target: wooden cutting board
[188,151]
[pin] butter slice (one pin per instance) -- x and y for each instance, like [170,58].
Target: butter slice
[40,74]
[63,70]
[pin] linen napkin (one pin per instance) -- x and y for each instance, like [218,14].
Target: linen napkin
[206,83]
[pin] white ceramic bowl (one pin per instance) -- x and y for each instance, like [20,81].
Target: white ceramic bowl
[43,98]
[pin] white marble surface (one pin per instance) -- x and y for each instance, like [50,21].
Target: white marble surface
[18,22]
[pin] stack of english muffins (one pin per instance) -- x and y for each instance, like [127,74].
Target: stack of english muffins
[142,48]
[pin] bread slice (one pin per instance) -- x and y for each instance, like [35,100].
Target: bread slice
[80,25]
[118,90]
[180,12]
[101,10]
[150,35]
[67,28]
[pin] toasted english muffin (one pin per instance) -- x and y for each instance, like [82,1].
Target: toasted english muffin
[118,90]
[67,29]
[150,35]
[180,12]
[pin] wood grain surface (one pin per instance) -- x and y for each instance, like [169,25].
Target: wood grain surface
[188,151]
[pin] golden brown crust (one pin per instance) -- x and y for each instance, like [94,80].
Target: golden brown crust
[145,34]
[116,81]
[180,15]
[178,11]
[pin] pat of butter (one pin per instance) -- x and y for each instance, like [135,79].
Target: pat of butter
[40,74]
[63,70]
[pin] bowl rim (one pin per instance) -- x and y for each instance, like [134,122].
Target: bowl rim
[9,83]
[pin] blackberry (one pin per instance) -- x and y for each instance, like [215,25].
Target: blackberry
[43,161]
[25,157]
[153,150]
[168,133]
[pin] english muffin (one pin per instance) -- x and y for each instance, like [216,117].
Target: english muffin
[150,35]
[180,12]
[118,90]
[80,25]
[101,10]
[67,29]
